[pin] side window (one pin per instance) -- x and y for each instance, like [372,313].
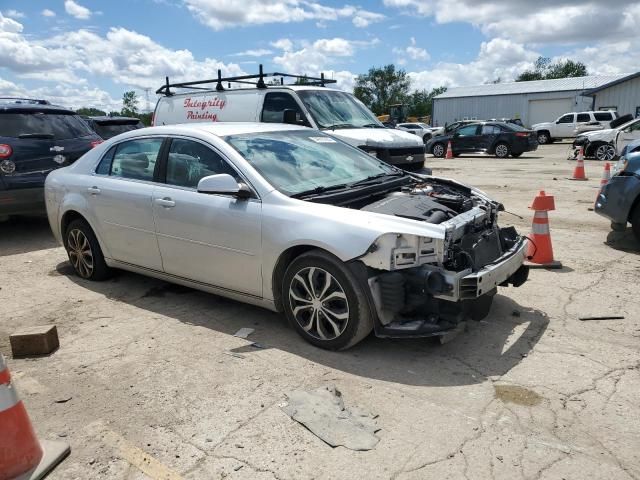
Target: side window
[275,103]
[490,130]
[566,119]
[467,131]
[584,117]
[104,167]
[189,161]
[634,127]
[603,116]
[136,159]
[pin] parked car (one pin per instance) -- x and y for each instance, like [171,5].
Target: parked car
[291,219]
[607,144]
[36,138]
[497,138]
[421,130]
[108,127]
[619,199]
[565,125]
[339,114]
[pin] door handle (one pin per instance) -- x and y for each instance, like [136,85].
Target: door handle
[165,202]
[93,190]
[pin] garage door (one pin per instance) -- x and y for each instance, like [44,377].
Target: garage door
[548,110]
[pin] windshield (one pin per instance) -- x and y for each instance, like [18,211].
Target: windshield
[335,109]
[298,161]
[632,123]
[59,126]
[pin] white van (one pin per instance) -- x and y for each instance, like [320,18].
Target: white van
[333,111]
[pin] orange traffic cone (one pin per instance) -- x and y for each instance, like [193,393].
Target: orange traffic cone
[449,151]
[578,172]
[21,454]
[539,248]
[606,176]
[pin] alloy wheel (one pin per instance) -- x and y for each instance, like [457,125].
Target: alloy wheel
[605,152]
[438,150]
[502,151]
[80,252]
[319,303]
[543,139]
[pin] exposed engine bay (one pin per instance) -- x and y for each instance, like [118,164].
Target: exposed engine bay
[427,285]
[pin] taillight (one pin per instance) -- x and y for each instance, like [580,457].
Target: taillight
[522,134]
[5,150]
[95,143]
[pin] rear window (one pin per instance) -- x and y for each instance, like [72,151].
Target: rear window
[514,127]
[61,126]
[107,130]
[603,116]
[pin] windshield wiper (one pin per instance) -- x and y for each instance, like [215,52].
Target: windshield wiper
[35,135]
[372,125]
[318,190]
[339,125]
[369,179]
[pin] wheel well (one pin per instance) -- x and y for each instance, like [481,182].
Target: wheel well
[283,262]
[67,218]
[544,131]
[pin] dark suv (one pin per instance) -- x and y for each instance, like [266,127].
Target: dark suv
[108,127]
[35,138]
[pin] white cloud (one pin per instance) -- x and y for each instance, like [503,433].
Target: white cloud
[412,51]
[48,13]
[548,21]
[76,10]
[14,14]
[220,14]
[283,44]
[260,52]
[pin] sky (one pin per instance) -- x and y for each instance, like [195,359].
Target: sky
[86,53]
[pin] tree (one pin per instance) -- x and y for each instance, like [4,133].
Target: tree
[382,87]
[545,70]
[90,112]
[129,104]
[421,102]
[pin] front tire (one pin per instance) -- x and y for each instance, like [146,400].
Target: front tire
[324,301]
[544,138]
[84,251]
[438,150]
[502,150]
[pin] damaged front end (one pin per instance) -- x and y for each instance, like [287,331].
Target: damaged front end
[429,285]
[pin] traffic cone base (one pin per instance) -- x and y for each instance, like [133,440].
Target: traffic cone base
[53,453]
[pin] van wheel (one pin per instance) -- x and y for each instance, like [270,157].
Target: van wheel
[84,251]
[324,301]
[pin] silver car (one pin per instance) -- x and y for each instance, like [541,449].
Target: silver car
[289,219]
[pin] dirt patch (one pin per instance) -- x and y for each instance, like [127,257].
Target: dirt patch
[517,395]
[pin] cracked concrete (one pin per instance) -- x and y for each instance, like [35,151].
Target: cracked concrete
[147,360]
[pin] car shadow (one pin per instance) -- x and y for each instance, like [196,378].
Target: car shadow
[623,241]
[25,234]
[488,348]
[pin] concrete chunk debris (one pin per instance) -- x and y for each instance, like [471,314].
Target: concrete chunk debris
[244,332]
[31,341]
[322,411]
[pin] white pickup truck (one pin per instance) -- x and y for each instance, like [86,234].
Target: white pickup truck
[565,125]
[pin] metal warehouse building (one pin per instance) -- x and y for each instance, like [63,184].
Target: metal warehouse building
[540,100]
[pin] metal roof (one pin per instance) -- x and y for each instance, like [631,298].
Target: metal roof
[535,86]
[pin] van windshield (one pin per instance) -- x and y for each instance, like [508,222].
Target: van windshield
[334,109]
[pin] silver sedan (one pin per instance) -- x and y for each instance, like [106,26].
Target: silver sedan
[290,219]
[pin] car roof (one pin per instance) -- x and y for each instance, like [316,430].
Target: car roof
[222,129]
[9,106]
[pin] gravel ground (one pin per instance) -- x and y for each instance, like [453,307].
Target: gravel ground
[149,381]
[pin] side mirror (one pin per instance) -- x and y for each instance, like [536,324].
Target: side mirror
[290,116]
[223,184]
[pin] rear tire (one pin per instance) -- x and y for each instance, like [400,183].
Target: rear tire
[84,251]
[544,138]
[502,150]
[324,301]
[438,150]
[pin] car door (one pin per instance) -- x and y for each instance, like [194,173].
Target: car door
[565,126]
[488,136]
[213,239]
[119,196]
[466,139]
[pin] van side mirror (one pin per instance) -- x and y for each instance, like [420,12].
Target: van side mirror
[290,116]
[223,184]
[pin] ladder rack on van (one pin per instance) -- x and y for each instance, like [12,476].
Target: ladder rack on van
[255,80]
